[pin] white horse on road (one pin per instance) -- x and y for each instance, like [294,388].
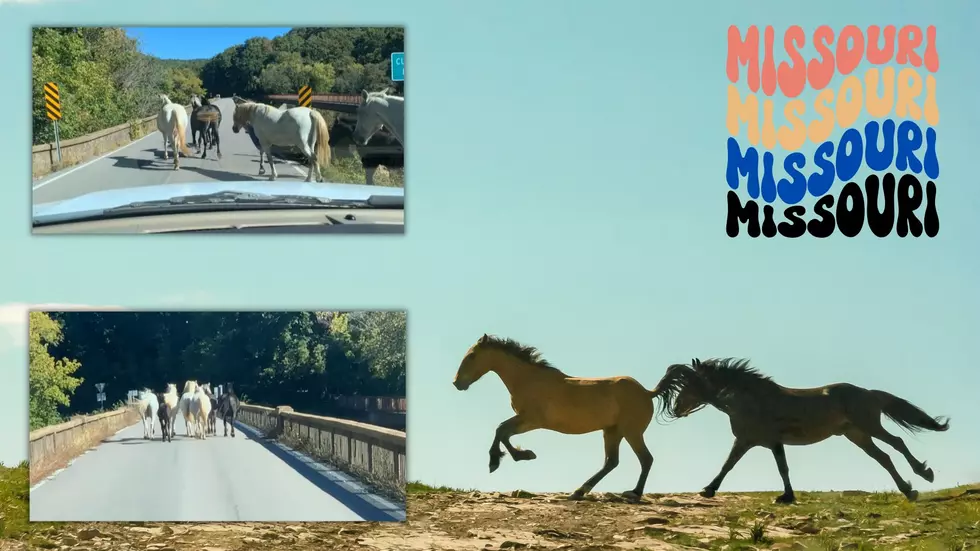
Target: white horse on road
[299,127]
[200,407]
[186,409]
[172,122]
[147,406]
[379,109]
[170,398]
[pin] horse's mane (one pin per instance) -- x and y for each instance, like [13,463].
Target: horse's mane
[728,372]
[381,97]
[715,375]
[244,111]
[511,347]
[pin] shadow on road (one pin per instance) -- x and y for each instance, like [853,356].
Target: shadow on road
[313,472]
[129,440]
[220,175]
[164,165]
[129,162]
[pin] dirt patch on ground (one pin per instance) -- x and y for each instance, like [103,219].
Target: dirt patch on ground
[460,521]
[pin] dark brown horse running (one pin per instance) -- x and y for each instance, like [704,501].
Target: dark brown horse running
[543,397]
[763,413]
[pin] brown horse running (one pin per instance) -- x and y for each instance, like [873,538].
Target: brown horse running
[763,413]
[545,398]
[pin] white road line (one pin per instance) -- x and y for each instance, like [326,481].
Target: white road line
[85,164]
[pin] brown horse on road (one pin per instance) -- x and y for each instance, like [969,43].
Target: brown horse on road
[763,413]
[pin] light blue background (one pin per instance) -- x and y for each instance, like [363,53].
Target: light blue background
[567,173]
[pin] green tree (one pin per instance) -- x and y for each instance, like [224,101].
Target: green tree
[275,358]
[105,79]
[51,381]
[383,345]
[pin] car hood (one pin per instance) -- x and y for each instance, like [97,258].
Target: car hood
[92,203]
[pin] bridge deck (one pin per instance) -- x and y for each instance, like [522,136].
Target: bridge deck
[245,478]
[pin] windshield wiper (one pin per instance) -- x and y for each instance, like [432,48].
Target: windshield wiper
[233,199]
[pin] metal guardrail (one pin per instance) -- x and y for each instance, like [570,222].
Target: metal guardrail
[370,450]
[343,103]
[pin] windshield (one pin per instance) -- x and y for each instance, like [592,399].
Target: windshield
[133,119]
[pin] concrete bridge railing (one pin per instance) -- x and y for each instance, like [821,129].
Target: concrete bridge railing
[44,157]
[372,403]
[50,446]
[363,449]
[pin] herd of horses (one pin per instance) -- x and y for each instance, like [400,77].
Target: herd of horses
[376,132]
[197,405]
[761,412]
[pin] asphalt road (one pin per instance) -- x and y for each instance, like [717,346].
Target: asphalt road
[141,163]
[245,478]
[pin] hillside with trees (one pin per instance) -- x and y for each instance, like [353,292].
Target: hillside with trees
[105,80]
[299,359]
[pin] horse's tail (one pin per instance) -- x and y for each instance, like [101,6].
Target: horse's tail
[662,394]
[909,416]
[180,135]
[322,138]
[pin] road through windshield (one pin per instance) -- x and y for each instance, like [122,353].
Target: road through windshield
[141,107]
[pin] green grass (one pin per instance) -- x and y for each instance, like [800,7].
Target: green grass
[349,170]
[14,502]
[420,488]
[945,520]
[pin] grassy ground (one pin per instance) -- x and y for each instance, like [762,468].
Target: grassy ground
[14,496]
[349,171]
[944,520]
[450,519]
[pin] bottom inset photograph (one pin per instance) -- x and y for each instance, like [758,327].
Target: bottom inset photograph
[217,416]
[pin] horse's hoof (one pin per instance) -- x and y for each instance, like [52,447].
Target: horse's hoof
[524,455]
[785,499]
[494,466]
[631,495]
[912,495]
[707,492]
[928,475]
[577,495]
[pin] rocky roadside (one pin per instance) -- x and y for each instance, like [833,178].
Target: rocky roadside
[460,521]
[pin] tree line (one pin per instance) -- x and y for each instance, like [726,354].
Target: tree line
[299,359]
[105,80]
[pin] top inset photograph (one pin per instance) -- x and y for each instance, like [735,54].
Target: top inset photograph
[218,130]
